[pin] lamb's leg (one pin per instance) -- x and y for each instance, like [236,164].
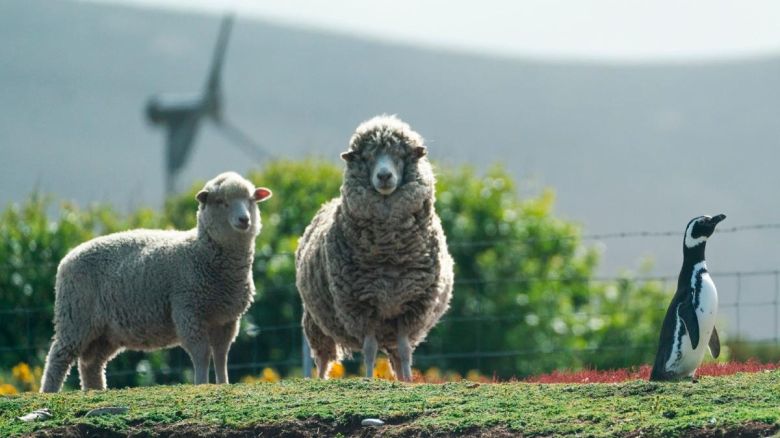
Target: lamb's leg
[92,363]
[220,339]
[58,363]
[200,355]
[194,339]
[370,348]
[405,353]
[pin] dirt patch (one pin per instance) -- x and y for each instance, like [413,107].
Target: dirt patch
[297,429]
[318,428]
[751,429]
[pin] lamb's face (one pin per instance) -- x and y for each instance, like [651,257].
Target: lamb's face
[381,155]
[228,207]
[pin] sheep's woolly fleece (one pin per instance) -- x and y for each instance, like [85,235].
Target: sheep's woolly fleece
[370,263]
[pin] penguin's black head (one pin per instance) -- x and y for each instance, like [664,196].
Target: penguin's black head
[700,228]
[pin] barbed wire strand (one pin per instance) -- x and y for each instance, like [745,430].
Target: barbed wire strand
[486,242]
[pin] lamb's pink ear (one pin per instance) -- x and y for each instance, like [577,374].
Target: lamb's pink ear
[262,193]
[202,196]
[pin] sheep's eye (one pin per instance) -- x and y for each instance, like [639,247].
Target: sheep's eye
[223,203]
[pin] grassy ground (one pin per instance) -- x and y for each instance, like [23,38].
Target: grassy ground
[742,402]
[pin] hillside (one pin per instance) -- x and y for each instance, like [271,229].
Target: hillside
[743,403]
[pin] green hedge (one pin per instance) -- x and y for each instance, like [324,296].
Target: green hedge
[525,292]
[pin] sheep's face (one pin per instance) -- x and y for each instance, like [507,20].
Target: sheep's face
[229,207]
[386,173]
[381,156]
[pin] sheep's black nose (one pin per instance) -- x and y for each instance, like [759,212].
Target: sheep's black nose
[243,220]
[384,176]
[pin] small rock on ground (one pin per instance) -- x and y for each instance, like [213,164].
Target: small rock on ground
[39,414]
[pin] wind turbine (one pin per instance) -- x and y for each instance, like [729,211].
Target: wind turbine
[181,115]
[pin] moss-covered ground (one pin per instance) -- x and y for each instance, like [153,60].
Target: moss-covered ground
[711,407]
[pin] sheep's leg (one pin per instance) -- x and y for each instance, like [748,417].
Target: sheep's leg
[321,362]
[92,363]
[405,353]
[220,339]
[200,355]
[58,363]
[370,348]
[395,362]
[323,347]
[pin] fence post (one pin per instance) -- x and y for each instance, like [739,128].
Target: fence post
[307,365]
[777,298]
[737,304]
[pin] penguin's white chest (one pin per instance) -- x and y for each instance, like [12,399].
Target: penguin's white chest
[707,309]
[684,359]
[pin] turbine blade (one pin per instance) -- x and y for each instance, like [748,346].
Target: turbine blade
[243,141]
[213,84]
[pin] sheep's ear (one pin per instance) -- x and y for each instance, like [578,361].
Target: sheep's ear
[419,152]
[262,193]
[202,196]
[349,156]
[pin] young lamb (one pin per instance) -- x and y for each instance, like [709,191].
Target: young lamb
[152,289]
[373,269]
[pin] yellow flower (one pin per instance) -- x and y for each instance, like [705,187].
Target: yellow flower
[336,371]
[36,383]
[249,379]
[432,375]
[8,389]
[22,373]
[453,376]
[382,369]
[475,376]
[269,375]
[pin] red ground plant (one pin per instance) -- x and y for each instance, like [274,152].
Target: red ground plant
[643,372]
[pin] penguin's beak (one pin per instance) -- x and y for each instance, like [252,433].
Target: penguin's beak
[717,219]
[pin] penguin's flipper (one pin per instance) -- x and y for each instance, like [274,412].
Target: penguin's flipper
[687,313]
[714,343]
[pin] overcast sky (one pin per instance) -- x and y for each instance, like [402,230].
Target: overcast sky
[614,30]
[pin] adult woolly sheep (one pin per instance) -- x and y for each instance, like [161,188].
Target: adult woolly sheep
[373,269]
[152,289]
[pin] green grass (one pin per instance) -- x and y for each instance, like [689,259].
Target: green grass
[534,409]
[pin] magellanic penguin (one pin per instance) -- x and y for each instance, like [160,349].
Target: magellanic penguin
[690,320]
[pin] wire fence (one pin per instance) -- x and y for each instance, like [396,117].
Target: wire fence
[749,310]
[735,310]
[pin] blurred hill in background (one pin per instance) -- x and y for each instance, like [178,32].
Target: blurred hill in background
[626,147]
